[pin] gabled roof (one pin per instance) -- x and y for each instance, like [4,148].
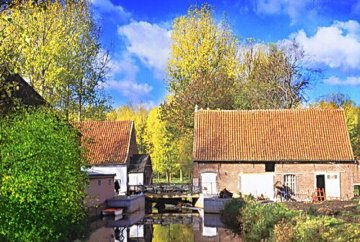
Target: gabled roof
[20,90]
[271,135]
[106,142]
[138,163]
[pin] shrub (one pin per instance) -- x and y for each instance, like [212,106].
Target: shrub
[258,220]
[41,184]
[231,212]
[321,228]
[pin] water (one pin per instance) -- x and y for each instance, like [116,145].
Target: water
[169,227]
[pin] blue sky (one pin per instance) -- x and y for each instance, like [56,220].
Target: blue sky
[137,33]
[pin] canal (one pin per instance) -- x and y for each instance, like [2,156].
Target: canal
[156,227]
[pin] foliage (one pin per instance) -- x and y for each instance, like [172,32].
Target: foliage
[274,76]
[162,149]
[308,228]
[138,115]
[54,45]
[352,115]
[258,220]
[41,184]
[202,67]
[276,222]
[229,215]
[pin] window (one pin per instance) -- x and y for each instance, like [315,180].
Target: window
[270,167]
[290,183]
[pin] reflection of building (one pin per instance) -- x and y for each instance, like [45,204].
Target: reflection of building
[248,151]
[209,228]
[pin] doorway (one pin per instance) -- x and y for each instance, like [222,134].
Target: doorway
[320,187]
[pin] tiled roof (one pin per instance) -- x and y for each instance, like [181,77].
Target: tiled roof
[271,135]
[106,142]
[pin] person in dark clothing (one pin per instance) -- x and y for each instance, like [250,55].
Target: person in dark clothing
[117,186]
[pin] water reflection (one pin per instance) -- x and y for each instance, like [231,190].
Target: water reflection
[173,227]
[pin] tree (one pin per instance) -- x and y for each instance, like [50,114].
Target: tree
[139,116]
[202,68]
[162,149]
[274,76]
[58,51]
[352,115]
[41,185]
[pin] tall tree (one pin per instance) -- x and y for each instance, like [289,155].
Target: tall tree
[58,52]
[163,151]
[202,68]
[274,76]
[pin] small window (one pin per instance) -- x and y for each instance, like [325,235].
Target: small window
[99,182]
[270,167]
[110,183]
[290,183]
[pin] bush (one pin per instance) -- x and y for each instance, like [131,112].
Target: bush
[258,220]
[229,215]
[321,228]
[41,184]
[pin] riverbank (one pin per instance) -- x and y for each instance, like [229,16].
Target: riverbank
[277,222]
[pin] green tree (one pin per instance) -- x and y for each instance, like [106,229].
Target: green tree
[138,115]
[41,184]
[163,151]
[273,76]
[58,51]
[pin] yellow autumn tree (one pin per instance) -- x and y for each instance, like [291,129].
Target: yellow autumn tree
[163,152]
[57,51]
[202,68]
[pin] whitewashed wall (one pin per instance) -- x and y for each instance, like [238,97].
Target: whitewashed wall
[136,179]
[119,170]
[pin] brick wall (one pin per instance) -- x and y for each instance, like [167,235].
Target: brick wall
[356,173]
[98,190]
[228,175]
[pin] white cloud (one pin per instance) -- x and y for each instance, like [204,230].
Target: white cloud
[129,88]
[106,6]
[122,77]
[125,67]
[294,9]
[148,42]
[349,81]
[337,46]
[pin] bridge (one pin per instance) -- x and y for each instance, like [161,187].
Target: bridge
[181,195]
[183,190]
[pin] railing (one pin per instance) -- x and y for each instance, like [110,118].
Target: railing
[165,188]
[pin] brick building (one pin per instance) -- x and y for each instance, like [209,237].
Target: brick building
[249,151]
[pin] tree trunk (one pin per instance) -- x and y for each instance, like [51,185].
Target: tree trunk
[181,174]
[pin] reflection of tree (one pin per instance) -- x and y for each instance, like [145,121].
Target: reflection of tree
[173,233]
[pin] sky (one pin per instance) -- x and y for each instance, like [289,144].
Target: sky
[137,36]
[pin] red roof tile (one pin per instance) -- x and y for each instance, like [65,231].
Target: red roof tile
[106,142]
[271,135]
